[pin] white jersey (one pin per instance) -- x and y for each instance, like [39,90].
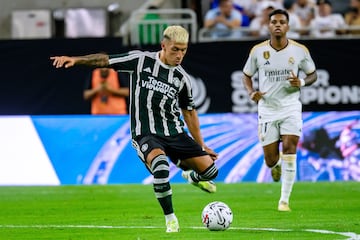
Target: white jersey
[274,67]
[326,26]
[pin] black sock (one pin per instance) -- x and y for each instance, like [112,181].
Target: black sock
[162,188]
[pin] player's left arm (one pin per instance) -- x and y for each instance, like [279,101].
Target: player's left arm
[308,66]
[192,121]
[310,78]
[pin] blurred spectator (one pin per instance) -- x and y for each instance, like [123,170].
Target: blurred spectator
[106,93]
[223,20]
[352,17]
[251,8]
[305,10]
[294,20]
[257,6]
[327,24]
[242,6]
[259,25]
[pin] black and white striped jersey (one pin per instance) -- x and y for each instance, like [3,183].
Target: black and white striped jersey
[157,92]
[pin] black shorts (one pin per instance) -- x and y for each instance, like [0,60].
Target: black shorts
[177,148]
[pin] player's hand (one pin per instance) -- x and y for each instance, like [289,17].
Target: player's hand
[211,152]
[63,61]
[294,80]
[256,96]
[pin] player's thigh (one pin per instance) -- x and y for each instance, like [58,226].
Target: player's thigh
[148,147]
[198,164]
[290,131]
[268,132]
[188,154]
[269,136]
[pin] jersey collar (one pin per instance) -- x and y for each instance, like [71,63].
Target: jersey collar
[161,63]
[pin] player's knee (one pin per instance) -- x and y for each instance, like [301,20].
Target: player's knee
[271,161]
[270,164]
[160,170]
[209,174]
[160,167]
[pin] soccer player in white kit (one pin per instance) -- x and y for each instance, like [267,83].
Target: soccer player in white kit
[278,62]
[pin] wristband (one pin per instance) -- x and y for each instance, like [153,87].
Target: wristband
[302,82]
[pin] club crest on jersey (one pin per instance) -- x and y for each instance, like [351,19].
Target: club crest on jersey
[176,82]
[144,147]
[291,61]
[266,55]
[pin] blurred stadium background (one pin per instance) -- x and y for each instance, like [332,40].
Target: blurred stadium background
[45,140]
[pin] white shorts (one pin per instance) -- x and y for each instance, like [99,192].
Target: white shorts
[270,132]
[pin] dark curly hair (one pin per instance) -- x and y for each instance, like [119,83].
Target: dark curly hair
[279,11]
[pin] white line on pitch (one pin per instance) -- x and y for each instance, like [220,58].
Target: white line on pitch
[350,235]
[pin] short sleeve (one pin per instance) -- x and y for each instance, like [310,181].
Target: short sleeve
[186,100]
[250,67]
[307,64]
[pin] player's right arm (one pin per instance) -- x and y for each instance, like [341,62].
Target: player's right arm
[248,84]
[253,94]
[93,60]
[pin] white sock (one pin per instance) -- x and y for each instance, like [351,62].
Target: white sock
[288,172]
[170,217]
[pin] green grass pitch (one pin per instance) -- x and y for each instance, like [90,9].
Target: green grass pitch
[321,210]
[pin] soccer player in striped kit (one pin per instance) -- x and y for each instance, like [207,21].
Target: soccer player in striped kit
[277,62]
[160,92]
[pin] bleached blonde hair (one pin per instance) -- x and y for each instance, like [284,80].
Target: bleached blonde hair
[176,33]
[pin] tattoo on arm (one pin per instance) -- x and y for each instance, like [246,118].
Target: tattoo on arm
[94,60]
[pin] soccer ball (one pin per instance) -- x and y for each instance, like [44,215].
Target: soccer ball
[217,216]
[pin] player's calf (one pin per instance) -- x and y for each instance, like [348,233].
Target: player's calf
[203,180]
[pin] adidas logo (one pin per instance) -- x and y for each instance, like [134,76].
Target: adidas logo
[148,69]
[267,63]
